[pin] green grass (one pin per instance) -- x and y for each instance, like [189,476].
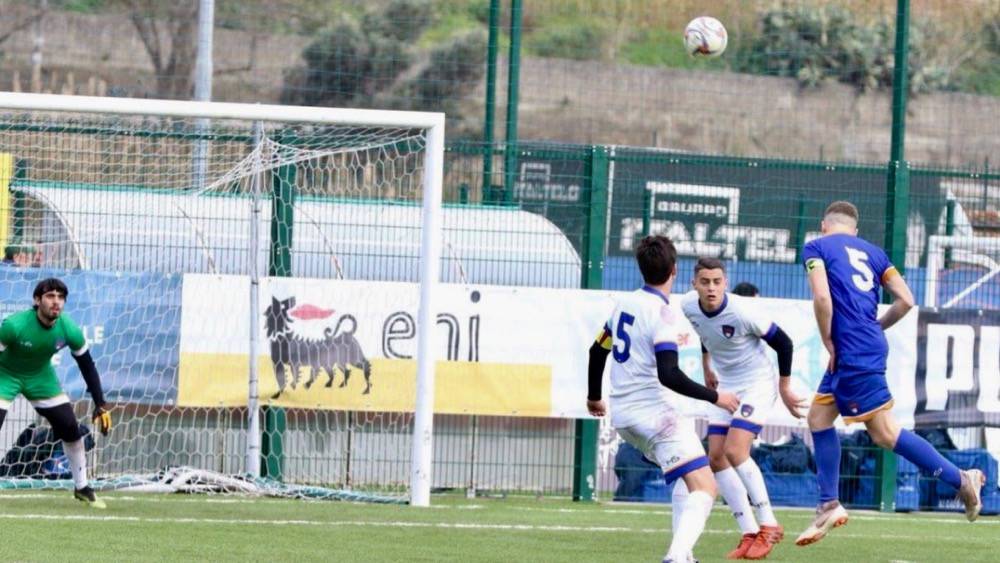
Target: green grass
[664,47]
[54,527]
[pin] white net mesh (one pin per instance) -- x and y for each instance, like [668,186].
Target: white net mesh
[962,272]
[151,223]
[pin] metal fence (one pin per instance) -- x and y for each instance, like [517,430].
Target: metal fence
[577,96]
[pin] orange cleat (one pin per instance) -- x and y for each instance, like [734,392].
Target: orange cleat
[767,538]
[741,549]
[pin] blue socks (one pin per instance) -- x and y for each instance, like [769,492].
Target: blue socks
[826,445]
[924,456]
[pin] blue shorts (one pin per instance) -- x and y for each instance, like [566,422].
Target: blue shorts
[858,394]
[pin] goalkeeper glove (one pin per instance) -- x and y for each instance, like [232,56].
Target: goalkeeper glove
[102,419]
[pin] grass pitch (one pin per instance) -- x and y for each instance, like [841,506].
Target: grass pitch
[51,526]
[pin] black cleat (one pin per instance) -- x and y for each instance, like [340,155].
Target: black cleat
[87,495]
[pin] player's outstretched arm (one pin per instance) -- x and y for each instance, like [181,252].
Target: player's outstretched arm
[102,418]
[673,377]
[902,299]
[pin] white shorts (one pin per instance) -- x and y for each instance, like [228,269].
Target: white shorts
[669,441]
[756,403]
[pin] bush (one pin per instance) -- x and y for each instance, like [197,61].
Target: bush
[816,44]
[355,60]
[453,71]
[580,40]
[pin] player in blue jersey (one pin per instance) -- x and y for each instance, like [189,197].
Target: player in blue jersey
[845,274]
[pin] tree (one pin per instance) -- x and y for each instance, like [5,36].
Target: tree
[355,59]
[168,31]
[13,21]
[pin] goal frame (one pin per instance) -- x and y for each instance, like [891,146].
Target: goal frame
[938,245]
[430,243]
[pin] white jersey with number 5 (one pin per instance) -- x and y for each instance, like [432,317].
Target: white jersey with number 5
[734,335]
[641,325]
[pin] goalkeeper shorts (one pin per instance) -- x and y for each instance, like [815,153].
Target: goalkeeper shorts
[37,387]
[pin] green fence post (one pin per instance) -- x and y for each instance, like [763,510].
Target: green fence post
[949,227]
[279,265]
[799,239]
[897,212]
[513,79]
[20,211]
[491,96]
[587,430]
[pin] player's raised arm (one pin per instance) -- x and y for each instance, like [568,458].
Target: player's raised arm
[902,298]
[599,351]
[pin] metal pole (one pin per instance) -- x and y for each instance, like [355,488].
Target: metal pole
[897,210]
[513,78]
[491,97]
[253,400]
[430,275]
[203,86]
[587,431]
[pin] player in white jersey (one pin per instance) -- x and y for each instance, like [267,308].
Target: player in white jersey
[734,333]
[642,338]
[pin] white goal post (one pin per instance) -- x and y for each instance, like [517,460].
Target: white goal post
[981,252]
[27,108]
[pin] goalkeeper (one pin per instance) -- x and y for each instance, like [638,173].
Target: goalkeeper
[28,340]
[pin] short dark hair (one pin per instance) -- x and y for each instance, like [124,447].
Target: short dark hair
[843,208]
[709,263]
[746,289]
[657,258]
[50,284]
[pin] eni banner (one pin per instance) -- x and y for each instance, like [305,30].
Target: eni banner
[350,345]
[332,344]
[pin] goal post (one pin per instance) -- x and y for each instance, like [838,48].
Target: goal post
[947,286]
[110,188]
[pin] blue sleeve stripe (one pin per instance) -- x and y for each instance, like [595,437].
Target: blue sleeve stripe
[771,331]
[717,430]
[685,468]
[665,347]
[745,425]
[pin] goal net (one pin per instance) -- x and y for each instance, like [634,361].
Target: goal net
[962,272]
[219,258]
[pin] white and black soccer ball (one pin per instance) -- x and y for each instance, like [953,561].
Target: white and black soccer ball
[705,37]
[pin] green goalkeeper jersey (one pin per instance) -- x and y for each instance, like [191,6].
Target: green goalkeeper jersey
[28,346]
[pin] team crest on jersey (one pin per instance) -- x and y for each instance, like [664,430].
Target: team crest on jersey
[854,407]
[746,411]
[728,331]
[60,344]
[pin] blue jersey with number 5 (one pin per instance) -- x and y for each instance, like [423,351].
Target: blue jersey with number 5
[855,271]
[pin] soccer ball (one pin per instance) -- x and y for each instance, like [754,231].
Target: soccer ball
[705,37]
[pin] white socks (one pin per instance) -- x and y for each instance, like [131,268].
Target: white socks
[753,480]
[677,500]
[77,462]
[732,489]
[690,525]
